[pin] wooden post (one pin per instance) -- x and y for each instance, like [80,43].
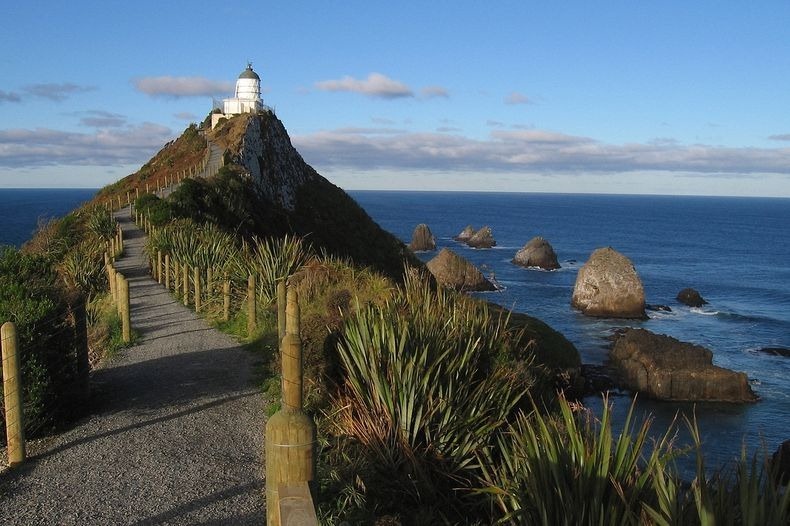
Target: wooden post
[196,279]
[281,302]
[159,266]
[111,282]
[123,293]
[290,434]
[185,288]
[12,392]
[167,271]
[128,198]
[147,191]
[209,283]
[226,299]
[113,253]
[137,193]
[251,313]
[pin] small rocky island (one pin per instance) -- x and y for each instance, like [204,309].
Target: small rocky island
[483,238]
[422,239]
[691,297]
[537,253]
[608,286]
[667,369]
[451,270]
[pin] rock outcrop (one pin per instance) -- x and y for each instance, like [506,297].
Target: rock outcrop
[453,271]
[465,234]
[668,369]
[537,253]
[691,297]
[483,238]
[292,198]
[422,238]
[608,286]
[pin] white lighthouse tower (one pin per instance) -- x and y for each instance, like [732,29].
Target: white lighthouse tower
[246,99]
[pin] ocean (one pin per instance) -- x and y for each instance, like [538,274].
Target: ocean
[21,209]
[735,251]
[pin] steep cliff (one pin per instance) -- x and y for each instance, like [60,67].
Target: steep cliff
[294,198]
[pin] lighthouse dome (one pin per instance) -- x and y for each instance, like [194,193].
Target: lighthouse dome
[249,73]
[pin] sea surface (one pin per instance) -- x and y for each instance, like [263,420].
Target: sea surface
[22,209]
[735,251]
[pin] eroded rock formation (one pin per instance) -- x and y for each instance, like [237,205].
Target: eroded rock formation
[668,369]
[422,238]
[451,270]
[537,253]
[608,286]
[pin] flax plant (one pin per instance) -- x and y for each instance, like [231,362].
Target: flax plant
[271,260]
[572,470]
[423,393]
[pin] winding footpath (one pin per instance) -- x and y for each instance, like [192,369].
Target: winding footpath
[175,432]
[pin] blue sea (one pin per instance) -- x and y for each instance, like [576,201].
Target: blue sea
[21,210]
[735,251]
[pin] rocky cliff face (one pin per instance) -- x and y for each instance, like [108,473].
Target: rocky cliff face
[276,167]
[293,198]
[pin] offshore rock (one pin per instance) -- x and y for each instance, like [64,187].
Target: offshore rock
[608,286]
[483,238]
[453,271]
[422,238]
[691,297]
[465,234]
[537,253]
[668,369]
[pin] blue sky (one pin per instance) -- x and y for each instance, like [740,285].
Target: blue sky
[611,97]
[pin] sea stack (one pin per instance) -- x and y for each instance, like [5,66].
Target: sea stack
[537,253]
[667,369]
[483,238]
[465,234]
[422,238]
[691,297]
[608,286]
[453,271]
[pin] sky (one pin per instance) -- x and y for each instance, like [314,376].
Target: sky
[579,96]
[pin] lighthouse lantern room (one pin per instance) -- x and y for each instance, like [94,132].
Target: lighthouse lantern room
[246,99]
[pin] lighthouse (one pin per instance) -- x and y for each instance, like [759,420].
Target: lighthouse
[246,98]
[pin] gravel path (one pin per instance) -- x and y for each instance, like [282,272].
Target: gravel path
[175,434]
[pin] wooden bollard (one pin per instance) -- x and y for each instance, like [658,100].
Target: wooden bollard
[251,311]
[111,282]
[290,434]
[123,294]
[226,299]
[120,237]
[167,271]
[118,299]
[113,253]
[137,193]
[159,266]
[196,280]
[12,393]
[147,191]
[281,302]
[185,288]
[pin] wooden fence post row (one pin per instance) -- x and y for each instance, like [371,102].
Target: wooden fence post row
[12,393]
[290,435]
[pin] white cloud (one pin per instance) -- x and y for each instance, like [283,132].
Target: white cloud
[537,151]
[517,98]
[177,87]
[102,119]
[376,85]
[106,146]
[56,92]
[432,92]
[781,137]
[9,96]
[185,116]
